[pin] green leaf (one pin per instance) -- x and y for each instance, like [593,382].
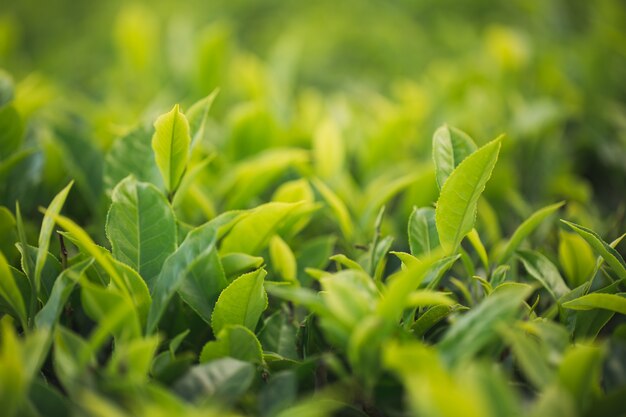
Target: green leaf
[474,239]
[328,150]
[400,285]
[450,147]
[48,400]
[283,259]
[47,227]
[60,293]
[253,232]
[9,233]
[170,143]
[431,317]
[338,208]
[112,312]
[141,227]
[242,302]
[423,237]
[6,88]
[236,264]
[251,177]
[526,228]
[131,155]
[349,295]
[51,269]
[423,298]
[279,335]
[11,131]
[222,380]
[611,302]
[10,291]
[576,258]
[477,328]
[198,114]
[609,254]
[346,262]
[131,360]
[580,371]
[456,208]
[540,268]
[532,361]
[234,341]
[195,271]
[431,390]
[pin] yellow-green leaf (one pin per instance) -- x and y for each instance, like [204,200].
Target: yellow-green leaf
[456,208]
[170,143]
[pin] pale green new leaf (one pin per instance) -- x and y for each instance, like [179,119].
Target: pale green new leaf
[242,302]
[450,147]
[456,208]
[423,237]
[46,231]
[544,271]
[197,116]
[234,341]
[170,143]
[328,149]
[337,206]
[477,328]
[10,292]
[141,227]
[236,264]
[526,228]
[252,233]
[532,361]
[423,298]
[611,302]
[283,259]
[63,286]
[610,255]
[576,258]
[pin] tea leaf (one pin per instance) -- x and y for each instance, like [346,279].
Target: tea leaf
[10,292]
[526,228]
[450,147]
[234,341]
[423,237]
[544,271]
[252,233]
[242,302]
[170,143]
[222,380]
[141,227]
[46,231]
[611,302]
[456,208]
[198,114]
[131,155]
[194,270]
[609,254]
[477,328]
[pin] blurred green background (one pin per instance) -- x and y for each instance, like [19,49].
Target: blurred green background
[549,74]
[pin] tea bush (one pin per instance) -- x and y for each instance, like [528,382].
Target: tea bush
[422,220]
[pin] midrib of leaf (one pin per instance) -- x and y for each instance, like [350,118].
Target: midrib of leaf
[425,221]
[457,234]
[138,223]
[171,153]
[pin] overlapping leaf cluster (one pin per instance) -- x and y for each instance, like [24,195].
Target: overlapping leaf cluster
[279,250]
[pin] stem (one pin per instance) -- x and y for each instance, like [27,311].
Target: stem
[63,251]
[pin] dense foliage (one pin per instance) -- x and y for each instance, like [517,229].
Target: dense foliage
[421,218]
